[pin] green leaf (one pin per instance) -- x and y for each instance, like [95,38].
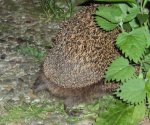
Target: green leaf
[121,114]
[134,24]
[119,69]
[148,75]
[118,12]
[94,107]
[147,84]
[147,35]
[127,27]
[142,18]
[104,24]
[146,63]
[148,98]
[130,14]
[124,7]
[138,113]
[133,44]
[110,13]
[130,1]
[132,91]
[147,88]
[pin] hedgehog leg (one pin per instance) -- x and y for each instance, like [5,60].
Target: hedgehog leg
[69,102]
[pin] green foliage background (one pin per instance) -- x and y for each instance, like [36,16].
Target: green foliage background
[132,69]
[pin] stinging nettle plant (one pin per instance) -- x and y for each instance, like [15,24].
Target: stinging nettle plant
[132,69]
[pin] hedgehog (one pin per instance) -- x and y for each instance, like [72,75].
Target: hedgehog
[74,68]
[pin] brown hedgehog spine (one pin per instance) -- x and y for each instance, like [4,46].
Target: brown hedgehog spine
[75,66]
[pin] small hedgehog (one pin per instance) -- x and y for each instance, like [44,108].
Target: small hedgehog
[74,68]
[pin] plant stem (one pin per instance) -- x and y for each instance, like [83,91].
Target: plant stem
[121,26]
[143,4]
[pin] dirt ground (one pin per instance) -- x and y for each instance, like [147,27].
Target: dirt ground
[24,28]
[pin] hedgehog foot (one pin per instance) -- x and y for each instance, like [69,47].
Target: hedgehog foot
[68,106]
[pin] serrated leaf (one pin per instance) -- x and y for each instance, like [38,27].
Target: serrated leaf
[128,13]
[134,24]
[147,88]
[121,114]
[124,7]
[146,63]
[119,70]
[132,91]
[110,13]
[148,75]
[104,24]
[133,44]
[127,27]
[139,113]
[147,84]
[142,18]
[117,13]
[131,14]
[148,98]
[147,35]
[130,1]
